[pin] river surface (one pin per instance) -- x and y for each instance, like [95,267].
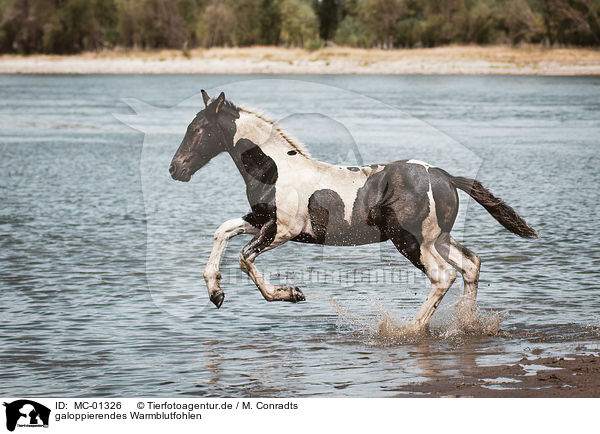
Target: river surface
[101,253]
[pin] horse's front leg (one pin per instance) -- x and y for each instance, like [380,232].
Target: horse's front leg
[212,276]
[267,239]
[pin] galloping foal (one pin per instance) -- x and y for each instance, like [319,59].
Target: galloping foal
[294,197]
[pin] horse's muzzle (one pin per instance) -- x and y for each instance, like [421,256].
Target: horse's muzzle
[179,174]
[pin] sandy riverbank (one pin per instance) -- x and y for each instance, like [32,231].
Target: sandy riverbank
[575,376]
[527,60]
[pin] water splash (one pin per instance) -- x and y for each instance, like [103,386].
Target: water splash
[386,330]
[469,322]
[392,331]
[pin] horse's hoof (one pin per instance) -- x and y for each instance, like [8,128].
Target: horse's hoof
[217,298]
[417,329]
[296,295]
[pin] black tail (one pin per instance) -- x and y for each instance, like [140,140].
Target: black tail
[505,215]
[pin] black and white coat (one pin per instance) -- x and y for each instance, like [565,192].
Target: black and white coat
[294,197]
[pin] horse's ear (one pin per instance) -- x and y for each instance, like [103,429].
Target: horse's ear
[220,101]
[216,104]
[205,98]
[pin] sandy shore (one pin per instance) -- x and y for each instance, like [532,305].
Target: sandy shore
[527,60]
[575,376]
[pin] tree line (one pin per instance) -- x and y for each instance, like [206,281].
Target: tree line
[71,26]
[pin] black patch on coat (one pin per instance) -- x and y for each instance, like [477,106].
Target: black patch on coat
[404,241]
[326,211]
[401,206]
[303,237]
[257,220]
[226,119]
[401,188]
[257,165]
[262,240]
[260,174]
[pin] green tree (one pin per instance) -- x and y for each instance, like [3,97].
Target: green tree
[270,22]
[57,26]
[475,22]
[214,27]
[408,32]
[353,33]
[520,22]
[247,17]
[151,24]
[191,12]
[20,31]
[572,21]
[409,28]
[299,22]
[69,26]
[160,24]
[381,17]
[330,14]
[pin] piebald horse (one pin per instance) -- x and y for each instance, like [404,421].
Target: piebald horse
[294,197]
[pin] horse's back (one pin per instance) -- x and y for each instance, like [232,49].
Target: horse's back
[401,190]
[409,189]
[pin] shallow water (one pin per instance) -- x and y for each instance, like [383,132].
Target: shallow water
[102,254]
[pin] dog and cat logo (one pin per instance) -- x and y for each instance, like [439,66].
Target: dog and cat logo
[26,413]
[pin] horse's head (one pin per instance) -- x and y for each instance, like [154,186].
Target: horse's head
[206,137]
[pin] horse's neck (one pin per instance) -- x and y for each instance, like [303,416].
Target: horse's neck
[259,145]
[250,126]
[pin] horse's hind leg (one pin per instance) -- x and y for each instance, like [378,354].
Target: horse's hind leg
[227,230]
[267,239]
[441,275]
[425,257]
[466,262]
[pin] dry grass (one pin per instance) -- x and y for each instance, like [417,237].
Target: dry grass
[495,53]
[528,59]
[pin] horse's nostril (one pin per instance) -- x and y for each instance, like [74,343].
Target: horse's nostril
[172,168]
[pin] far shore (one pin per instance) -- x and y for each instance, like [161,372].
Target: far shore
[449,60]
